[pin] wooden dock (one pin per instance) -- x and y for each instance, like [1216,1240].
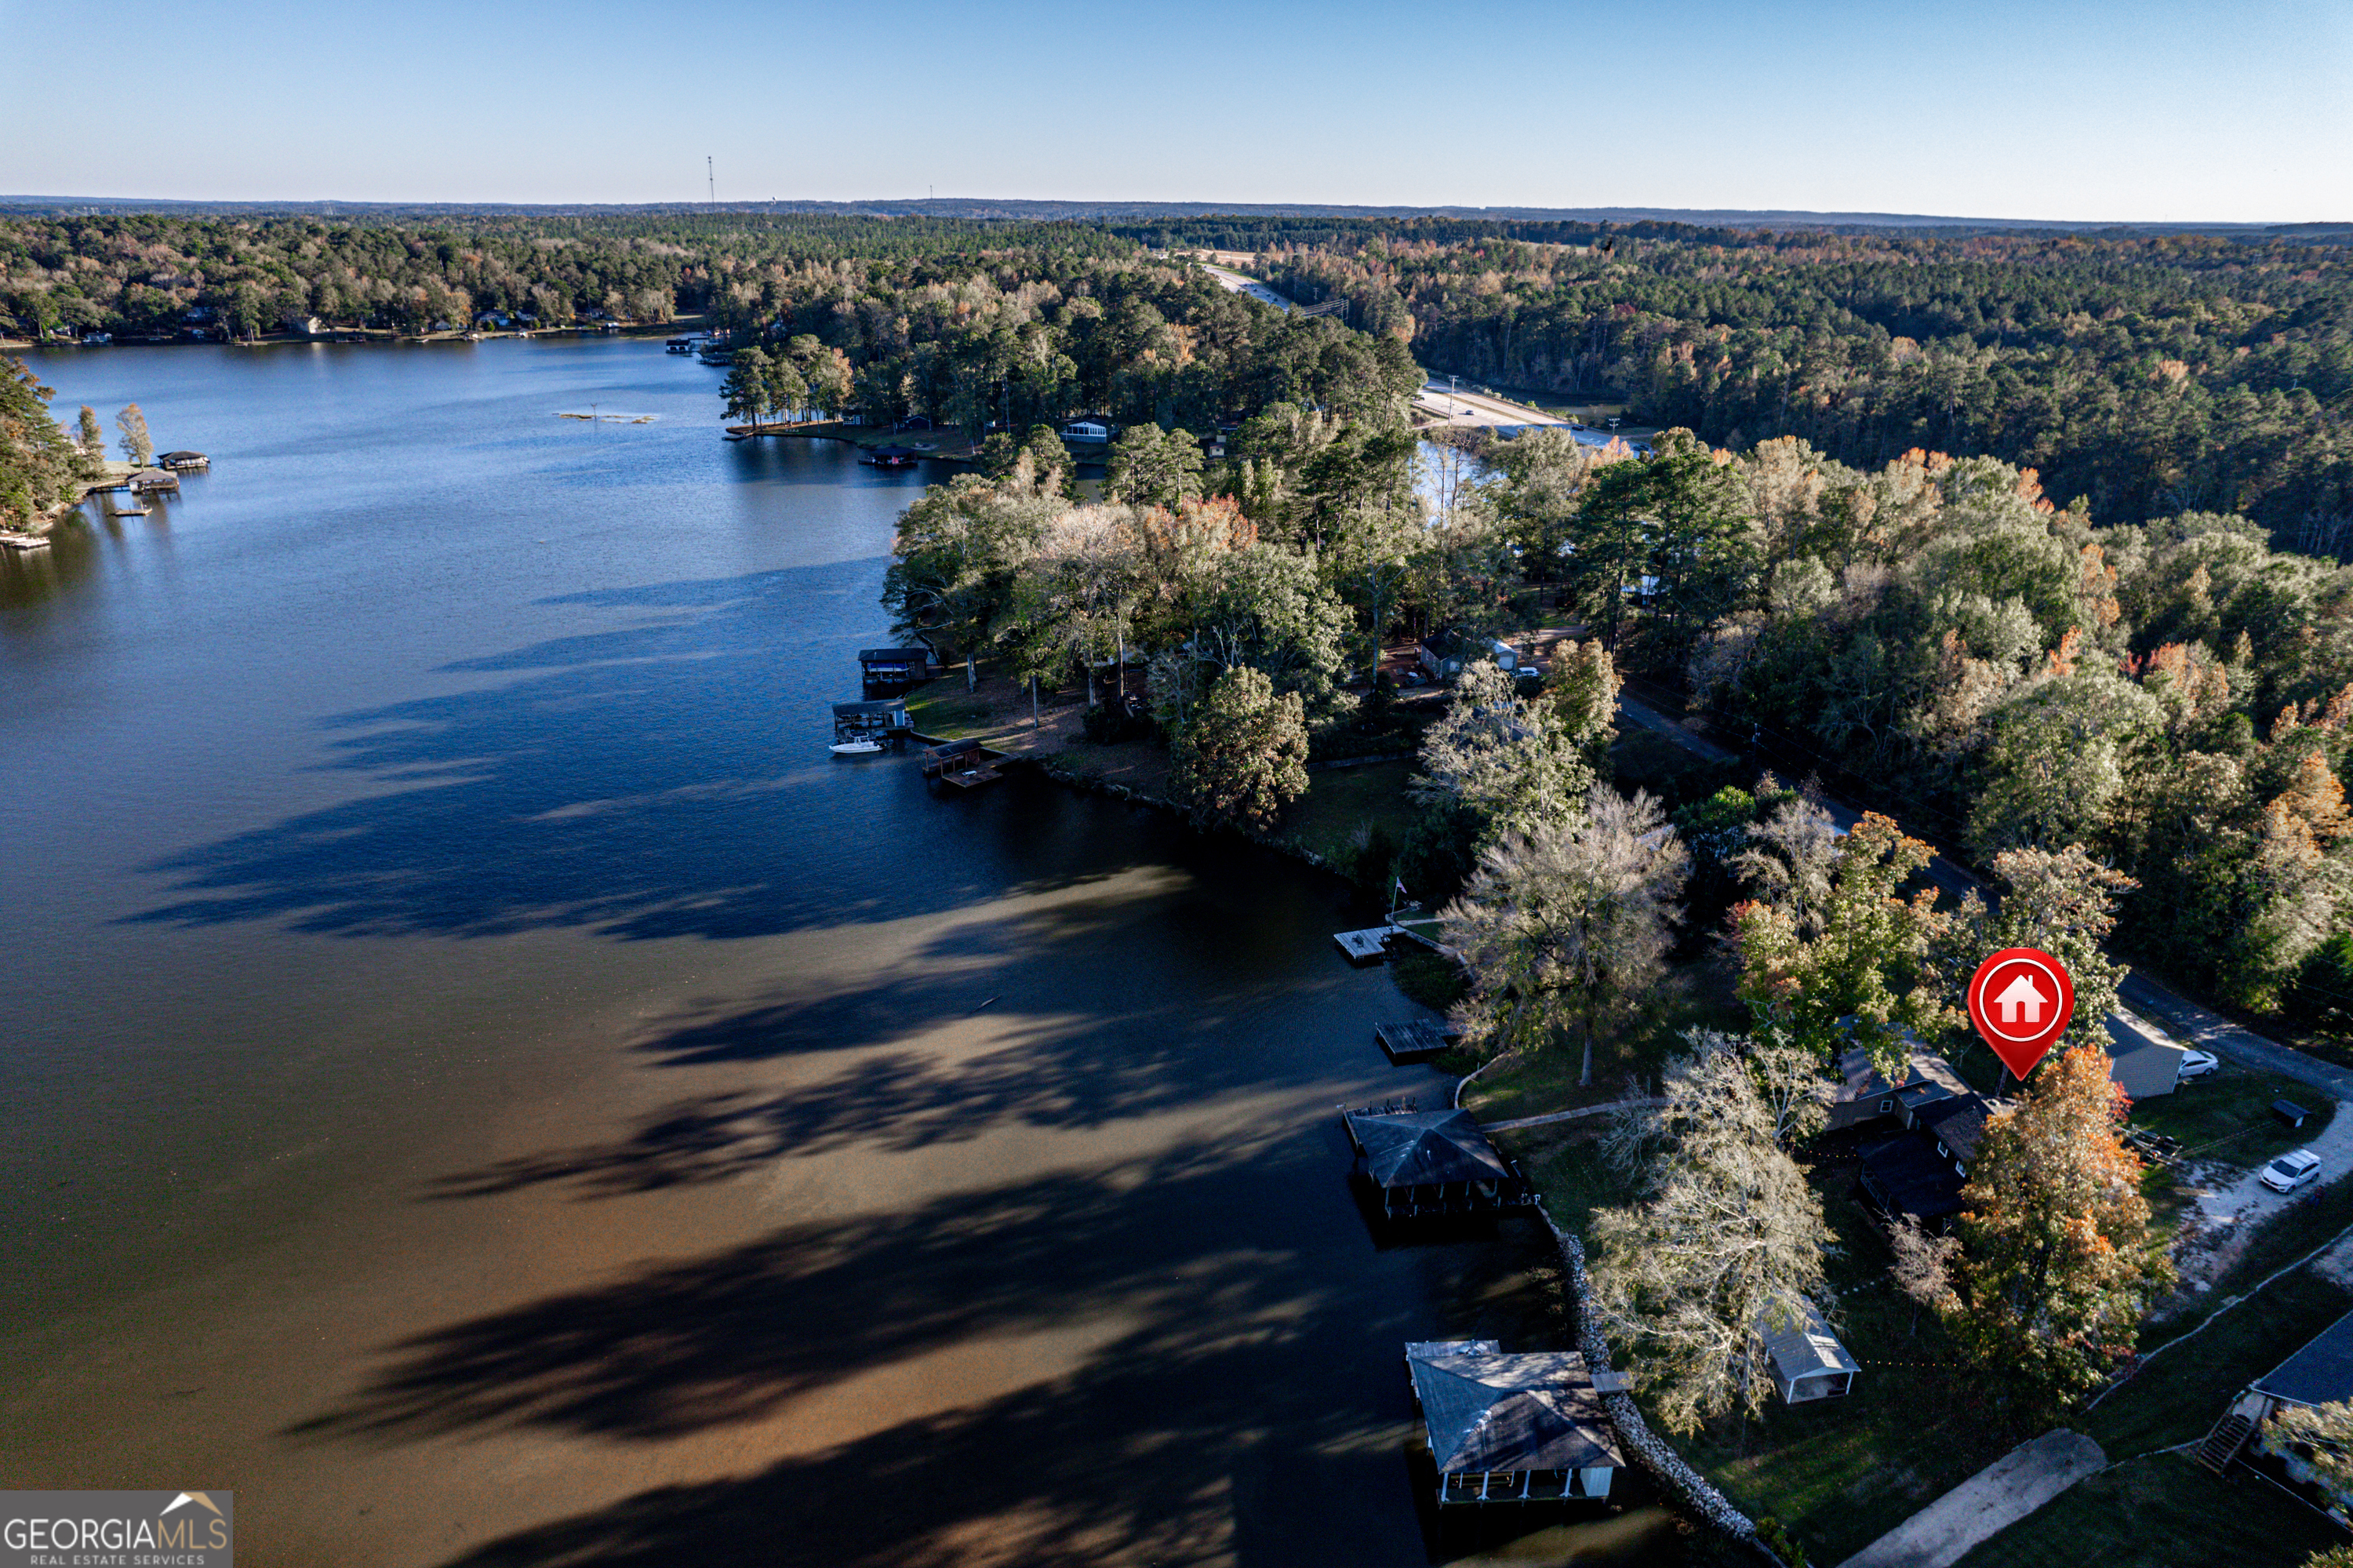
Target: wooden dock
[12,540]
[1412,1039]
[1369,946]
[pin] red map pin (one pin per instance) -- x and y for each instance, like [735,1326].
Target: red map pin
[2021,1001]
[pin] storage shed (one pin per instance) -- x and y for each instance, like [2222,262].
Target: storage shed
[1809,1362]
[1528,1428]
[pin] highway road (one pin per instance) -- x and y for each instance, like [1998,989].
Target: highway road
[2184,1019]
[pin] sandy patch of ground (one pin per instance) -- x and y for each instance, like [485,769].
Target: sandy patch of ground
[2232,1204]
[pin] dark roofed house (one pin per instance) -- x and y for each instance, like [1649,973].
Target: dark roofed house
[1906,1179]
[1866,1093]
[1433,1162]
[1511,1428]
[2319,1374]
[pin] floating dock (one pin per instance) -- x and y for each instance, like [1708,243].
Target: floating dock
[11,540]
[1412,1039]
[1369,946]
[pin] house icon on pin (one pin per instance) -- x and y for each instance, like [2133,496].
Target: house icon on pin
[2020,997]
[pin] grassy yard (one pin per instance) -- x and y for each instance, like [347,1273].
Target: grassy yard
[2227,1116]
[2162,1511]
[1342,802]
[1841,1473]
[1693,995]
[2178,1396]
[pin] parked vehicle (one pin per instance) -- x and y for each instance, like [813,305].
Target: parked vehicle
[2292,1171]
[2198,1065]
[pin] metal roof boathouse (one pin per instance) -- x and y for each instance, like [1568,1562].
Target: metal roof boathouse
[1433,1162]
[1528,1428]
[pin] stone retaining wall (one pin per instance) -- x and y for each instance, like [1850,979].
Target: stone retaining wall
[1687,1485]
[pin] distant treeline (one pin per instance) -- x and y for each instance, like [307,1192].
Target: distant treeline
[145,275]
[2150,376]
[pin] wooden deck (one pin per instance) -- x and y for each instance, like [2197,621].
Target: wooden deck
[1369,946]
[1412,1039]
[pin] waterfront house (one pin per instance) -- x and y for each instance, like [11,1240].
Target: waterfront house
[1432,1162]
[1088,428]
[1809,1362]
[1503,1428]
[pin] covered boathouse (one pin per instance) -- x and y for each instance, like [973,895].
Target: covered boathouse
[1514,1428]
[1433,1162]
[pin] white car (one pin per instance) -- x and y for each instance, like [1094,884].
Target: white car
[2198,1065]
[2290,1172]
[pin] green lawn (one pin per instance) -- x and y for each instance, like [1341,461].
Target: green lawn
[942,707]
[2227,1116]
[2162,1512]
[1341,802]
[1841,1473]
[2181,1394]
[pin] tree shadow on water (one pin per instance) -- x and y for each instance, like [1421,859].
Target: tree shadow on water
[1217,1378]
[661,778]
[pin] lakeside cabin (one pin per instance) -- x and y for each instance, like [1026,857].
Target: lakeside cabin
[1427,1163]
[1507,1428]
[1088,428]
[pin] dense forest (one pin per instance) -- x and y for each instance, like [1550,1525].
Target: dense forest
[2148,375]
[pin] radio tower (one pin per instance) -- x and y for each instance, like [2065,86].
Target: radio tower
[713,175]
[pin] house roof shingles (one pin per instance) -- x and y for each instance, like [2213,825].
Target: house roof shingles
[2318,1374]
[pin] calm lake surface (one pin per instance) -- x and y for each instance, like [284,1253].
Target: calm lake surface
[486,1086]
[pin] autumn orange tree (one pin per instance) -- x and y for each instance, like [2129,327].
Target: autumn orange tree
[2057,1263]
[1848,963]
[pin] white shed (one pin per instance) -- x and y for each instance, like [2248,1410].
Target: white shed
[1808,1361]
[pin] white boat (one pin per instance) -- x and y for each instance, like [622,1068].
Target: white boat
[856,748]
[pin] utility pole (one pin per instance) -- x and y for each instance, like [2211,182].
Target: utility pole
[711,174]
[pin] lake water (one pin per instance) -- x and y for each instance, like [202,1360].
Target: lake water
[486,1086]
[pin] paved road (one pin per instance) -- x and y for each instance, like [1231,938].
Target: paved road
[2185,1019]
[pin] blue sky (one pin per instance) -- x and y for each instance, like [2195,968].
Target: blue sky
[2154,110]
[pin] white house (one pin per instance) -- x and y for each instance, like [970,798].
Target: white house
[1087,428]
